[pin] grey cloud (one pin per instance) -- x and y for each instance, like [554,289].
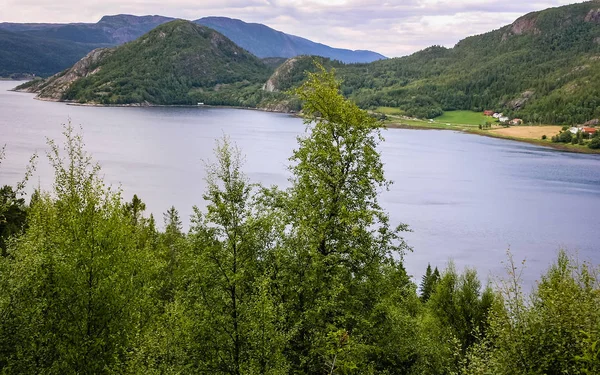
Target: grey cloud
[392,27]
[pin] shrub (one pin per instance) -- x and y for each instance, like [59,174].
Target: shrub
[594,144]
[544,137]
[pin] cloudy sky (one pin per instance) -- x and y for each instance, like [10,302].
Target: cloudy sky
[392,27]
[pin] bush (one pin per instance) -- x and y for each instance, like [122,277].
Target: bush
[594,144]
[565,137]
[544,137]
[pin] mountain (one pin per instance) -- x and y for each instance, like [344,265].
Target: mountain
[26,54]
[176,63]
[110,30]
[44,49]
[264,41]
[30,43]
[543,68]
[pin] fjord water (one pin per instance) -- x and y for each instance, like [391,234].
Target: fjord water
[466,197]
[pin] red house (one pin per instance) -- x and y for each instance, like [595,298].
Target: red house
[488,113]
[589,131]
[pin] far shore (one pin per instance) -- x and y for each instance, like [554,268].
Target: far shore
[390,125]
[488,133]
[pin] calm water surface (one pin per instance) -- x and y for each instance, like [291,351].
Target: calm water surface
[467,198]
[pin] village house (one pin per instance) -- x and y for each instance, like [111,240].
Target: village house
[488,113]
[589,131]
[503,119]
[516,121]
[497,115]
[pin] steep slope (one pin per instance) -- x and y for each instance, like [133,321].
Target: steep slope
[264,41]
[25,54]
[544,67]
[176,63]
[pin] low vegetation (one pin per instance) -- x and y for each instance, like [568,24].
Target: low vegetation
[306,280]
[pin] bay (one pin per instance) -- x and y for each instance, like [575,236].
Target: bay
[466,197]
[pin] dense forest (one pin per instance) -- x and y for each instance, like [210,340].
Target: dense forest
[307,280]
[176,63]
[543,68]
[23,55]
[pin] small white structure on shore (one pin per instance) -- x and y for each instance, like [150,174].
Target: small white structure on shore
[497,115]
[503,119]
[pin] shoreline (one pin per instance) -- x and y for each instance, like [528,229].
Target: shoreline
[555,146]
[484,133]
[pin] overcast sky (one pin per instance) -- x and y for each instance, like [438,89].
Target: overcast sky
[393,27]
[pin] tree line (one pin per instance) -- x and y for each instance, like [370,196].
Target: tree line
[306,280]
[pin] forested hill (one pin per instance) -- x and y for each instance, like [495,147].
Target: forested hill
[176,63]
[544,67]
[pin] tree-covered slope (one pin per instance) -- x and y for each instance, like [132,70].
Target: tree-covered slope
[25,54]
[264,41]
[545,67]
[173,64]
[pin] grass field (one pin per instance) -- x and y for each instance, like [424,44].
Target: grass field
[464,118]
[390,111]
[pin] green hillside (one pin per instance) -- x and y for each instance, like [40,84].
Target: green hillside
[176,63]
[26,54]
[545,67]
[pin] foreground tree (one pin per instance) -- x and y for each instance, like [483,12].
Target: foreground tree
[228,298]
[74,288]
[340,243]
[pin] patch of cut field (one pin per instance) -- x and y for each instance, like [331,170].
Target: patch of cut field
[532,132]
[464,118]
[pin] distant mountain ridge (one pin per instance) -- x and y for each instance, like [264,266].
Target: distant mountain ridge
[258,39]
[264,41]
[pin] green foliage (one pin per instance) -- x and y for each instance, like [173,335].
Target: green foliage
[429,282]
[594,143]
[38,55]
[170,63]
[307,280]
[461,306]
[75,278]
[552,331]
[545,74]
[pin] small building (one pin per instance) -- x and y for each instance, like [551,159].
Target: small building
[589,131]
[497,115]
[574,130]
[516,121]
[503,119]
[488,113]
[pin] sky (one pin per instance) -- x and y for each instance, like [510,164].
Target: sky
[393,27]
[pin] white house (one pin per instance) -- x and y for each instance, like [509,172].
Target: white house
[497,115]
[574,130]
[503,119]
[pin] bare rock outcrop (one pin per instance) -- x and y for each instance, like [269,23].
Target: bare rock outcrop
[272,85]
[519,102]
[54,88]
[593,16]
[524,25]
